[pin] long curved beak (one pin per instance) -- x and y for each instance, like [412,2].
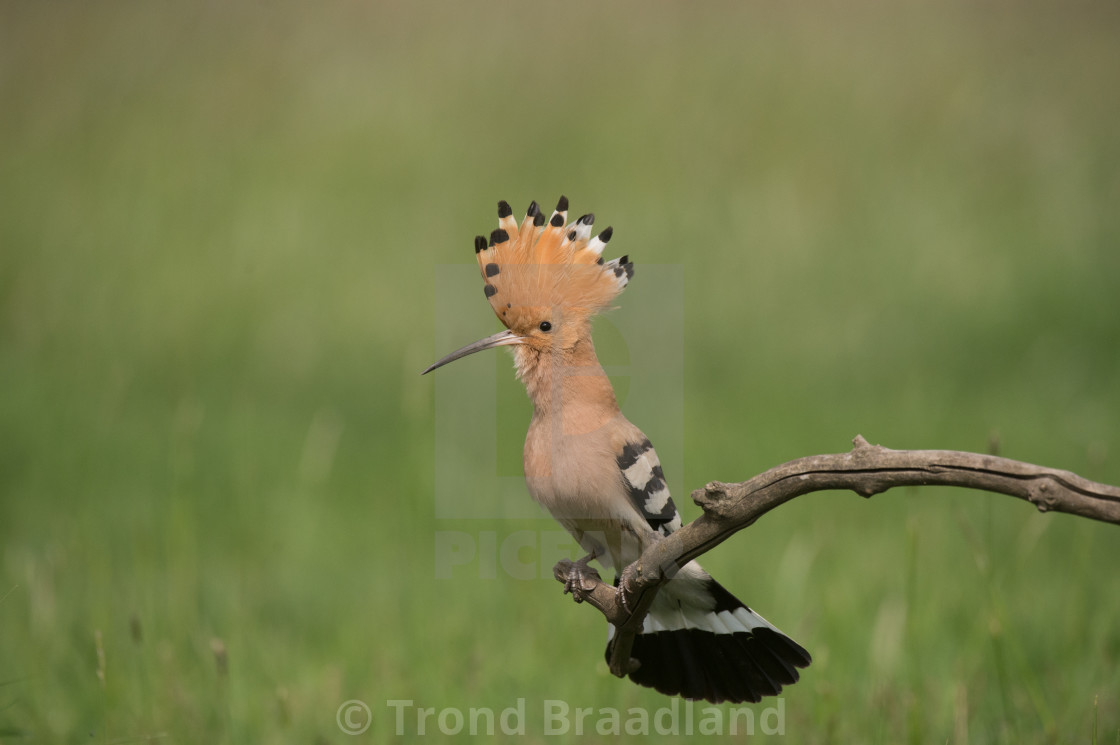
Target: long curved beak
[501,339]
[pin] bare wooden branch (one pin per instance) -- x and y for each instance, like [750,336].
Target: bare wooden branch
[867,470]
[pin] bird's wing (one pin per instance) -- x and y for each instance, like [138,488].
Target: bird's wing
[646,487]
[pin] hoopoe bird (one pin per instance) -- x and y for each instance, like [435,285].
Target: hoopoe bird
[596,473]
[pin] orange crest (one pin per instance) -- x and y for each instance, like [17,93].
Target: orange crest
[548,264]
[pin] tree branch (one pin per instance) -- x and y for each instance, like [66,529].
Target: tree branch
[867,470]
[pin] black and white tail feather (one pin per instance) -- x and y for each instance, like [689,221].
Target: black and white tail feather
[699,641]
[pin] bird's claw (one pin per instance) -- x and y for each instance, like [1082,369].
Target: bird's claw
[574,584]
[622,589]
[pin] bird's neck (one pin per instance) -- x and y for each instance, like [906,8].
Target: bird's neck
[568,386]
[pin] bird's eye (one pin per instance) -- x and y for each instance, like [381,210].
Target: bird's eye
[545,326]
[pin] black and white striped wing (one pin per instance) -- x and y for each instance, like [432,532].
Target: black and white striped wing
[646,487]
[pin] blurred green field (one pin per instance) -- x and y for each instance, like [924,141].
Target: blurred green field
[224,234]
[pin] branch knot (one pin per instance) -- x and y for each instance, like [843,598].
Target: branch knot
[714,499]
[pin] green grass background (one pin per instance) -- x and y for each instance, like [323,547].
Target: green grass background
[220,230]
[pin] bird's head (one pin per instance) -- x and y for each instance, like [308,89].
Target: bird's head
[544,279]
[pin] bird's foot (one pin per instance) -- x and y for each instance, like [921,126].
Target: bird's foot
[581,579]
[623,589]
